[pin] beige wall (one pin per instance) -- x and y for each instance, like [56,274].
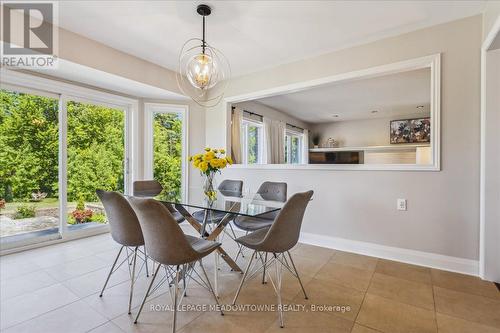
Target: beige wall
[358,133]
[443,207]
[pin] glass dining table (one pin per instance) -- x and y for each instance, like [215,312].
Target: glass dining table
[223,208]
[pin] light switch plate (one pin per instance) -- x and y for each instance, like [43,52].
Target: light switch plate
[401,204]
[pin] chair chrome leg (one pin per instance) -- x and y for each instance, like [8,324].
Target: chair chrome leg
[264,280]
[298,276]
[132,281]
[210,286]
[216,274]
[240,247]
[146,261]
[155,273]
[244,276]
[111,270]
[184,272]
[176,287]
[278,289]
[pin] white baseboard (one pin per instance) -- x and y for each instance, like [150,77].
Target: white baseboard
[433,260]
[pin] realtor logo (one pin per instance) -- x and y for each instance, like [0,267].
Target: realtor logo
[29,34]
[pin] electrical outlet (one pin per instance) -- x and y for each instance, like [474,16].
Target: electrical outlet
[401,204]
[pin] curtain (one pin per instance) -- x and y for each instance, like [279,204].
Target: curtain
[274,137]
[305,147]
[236,135]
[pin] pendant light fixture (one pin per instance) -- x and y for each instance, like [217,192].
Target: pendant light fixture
[203,70]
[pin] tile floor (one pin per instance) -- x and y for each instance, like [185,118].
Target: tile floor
[55,289]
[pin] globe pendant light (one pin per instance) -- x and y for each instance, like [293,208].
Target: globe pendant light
[203,70]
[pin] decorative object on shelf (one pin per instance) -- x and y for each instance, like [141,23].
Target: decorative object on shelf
[203,70]
[410,131]
[316,138]
[331,143]
[209,163]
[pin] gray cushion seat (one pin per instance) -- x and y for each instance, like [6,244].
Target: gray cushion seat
[201,245]
[212,217]
[248,223]
[273,191]
[253,240]
[150,189]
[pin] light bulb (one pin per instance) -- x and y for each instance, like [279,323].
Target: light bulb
[201,71]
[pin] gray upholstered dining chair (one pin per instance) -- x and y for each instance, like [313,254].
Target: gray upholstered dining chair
[126,231]
[150,189]
[169,246]
[228,186]
[275,191]
[278,240]
[268,191]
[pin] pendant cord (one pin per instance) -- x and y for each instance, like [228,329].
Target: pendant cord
[203,39]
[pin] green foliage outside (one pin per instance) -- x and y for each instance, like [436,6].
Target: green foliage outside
[253,144]
[97,217]
[29,141]
[167,154]
[24,211]
[29,148]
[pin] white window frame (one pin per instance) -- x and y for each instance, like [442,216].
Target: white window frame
[64,92]
[244,141]
[288,144]
[149,111]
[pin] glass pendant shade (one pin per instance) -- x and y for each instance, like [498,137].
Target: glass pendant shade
[203,70]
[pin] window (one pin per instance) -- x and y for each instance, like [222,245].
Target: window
[293,147]
[57,146]
[166,135]
[252,142]
[29,175]
[96,159]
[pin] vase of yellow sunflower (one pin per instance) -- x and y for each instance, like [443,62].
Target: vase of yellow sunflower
[210,162]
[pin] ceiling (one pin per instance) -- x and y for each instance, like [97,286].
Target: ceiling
[254,35]
[394,95]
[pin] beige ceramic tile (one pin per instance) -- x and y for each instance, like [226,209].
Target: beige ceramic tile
[317,322]
[21,308]
[330,294]
[362,329]
[470,307]
[108,327]
[25,283]
[76,317]
[447,324]
[313,252]
[231,322]
[464,283]
[388,316]
[404,291]
[347,276]
[404,271]
[355,260]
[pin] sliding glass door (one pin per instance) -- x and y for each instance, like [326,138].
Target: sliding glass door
[165,148]
[96,159]
[29,181]
[56,150]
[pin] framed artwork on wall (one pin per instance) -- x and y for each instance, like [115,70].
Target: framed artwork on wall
[410,131]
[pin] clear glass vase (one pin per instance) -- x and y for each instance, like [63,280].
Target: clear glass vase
[209,187]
